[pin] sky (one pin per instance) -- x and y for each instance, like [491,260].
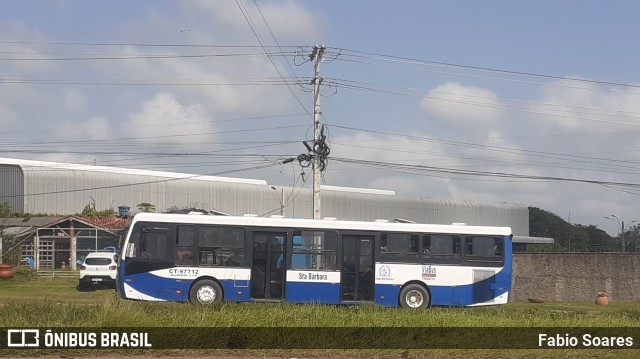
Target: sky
[532,103]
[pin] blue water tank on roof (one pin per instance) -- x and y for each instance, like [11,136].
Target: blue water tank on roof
[123,211]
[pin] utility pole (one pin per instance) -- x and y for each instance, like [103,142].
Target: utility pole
[316,56]
[623,231]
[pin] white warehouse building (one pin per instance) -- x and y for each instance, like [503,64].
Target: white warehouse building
[60,188]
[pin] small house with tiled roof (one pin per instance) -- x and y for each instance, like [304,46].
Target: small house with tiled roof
[59,242]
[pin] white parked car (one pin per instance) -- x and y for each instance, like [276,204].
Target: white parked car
[99,269]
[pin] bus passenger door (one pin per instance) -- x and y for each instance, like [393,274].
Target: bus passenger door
[357,273]
[268,267]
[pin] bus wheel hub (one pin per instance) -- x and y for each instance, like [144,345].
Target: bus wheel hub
[206,295]
[414,299]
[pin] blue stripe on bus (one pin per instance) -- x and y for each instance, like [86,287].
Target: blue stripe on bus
[483,291]
[387,294]
[236,291]
[328,293]
[177,290]
[159,287]
[308,292]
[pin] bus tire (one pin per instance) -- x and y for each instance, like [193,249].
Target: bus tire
[205,292]
[414,296]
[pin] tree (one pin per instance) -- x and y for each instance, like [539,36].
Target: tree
[568,236]
[5,210]
[632,236]
[90,210]
[146,207]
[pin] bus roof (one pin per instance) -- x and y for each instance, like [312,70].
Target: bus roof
[299,223]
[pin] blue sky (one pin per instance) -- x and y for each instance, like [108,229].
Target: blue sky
[96,82]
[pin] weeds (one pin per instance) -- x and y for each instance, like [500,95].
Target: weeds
[46,302]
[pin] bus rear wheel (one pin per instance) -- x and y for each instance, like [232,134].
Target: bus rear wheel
[205,292]
[414,296]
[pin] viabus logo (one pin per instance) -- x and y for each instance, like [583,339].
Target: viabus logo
[23,338]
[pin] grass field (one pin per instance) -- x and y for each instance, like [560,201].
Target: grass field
[55,302]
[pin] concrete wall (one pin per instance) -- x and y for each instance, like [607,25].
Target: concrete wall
[576,276]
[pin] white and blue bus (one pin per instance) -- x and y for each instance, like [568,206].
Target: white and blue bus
[205,259]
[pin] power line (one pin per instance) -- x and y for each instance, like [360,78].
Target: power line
[483,162]
[128,44]
[142,57]
[372,86]
[400,59]
[154,124]
[445,170]
[251,81]
[482,104]
[247,17]
[168,136]
[575,158]
[338,53]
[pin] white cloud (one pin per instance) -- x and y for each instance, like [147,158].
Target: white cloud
[569,105]
[463,107]
[7,115]
[288,20]
[26,56]
[96,128]
[74,102]
[164,116]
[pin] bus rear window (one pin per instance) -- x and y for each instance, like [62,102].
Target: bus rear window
[484,247]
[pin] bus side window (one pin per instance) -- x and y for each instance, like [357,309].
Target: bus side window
[468,247]
[131,247]
[414,244]
[185,241]
[442,244]
[498,246]
[486,247]
[220,246]
[153,245]
[314,250]
[399,247]
[143,245]
[384,244]
[206,257]
[426,245]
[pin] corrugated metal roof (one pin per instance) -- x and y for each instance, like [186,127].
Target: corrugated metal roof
[358,190]
[45,222]
[15,230]
[28,164]
[28,221]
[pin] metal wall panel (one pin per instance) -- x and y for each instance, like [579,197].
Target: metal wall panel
[357,206]
[12,186]
[66,190]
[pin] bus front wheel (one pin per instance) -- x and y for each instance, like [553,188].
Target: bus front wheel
[414,296]
[205,292]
